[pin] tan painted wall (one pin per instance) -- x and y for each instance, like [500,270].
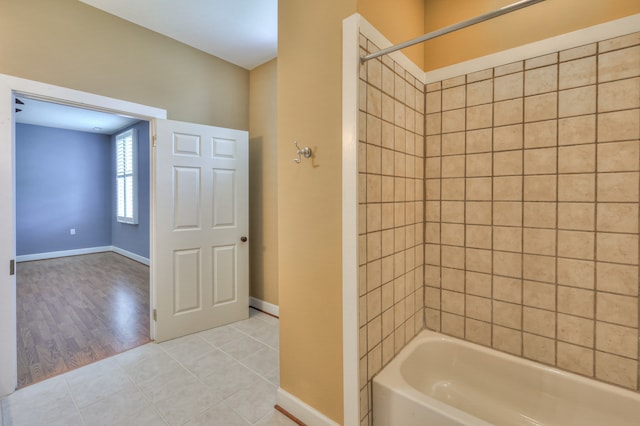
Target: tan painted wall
[71,44]
[399,21]
[309,201]
[534,23]
[263,182]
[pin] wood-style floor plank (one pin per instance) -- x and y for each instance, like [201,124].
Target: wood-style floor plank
[73,311]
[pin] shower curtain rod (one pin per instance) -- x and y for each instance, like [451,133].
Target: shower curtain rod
[446,30]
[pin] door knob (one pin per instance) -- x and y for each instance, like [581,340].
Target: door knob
[243,239]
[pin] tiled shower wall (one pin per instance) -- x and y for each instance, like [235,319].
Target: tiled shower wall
[532,195]
[391,215]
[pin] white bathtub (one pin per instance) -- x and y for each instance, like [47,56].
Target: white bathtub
[439,380]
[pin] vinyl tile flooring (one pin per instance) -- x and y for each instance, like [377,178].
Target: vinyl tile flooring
[72,311]
[224,376]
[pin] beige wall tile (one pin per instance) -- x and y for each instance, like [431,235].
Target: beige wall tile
[452,325]
[480,93]
[432,167]
[539,241]
[577,159]
[576,244]
[541,134]
[507,112]
[540,215]
[578,187]
[508,68]
[452,257]
[617,309]
[539,295]
[479,164]
[539,268]
[452,211]
[507,314]
[478,284]
[374,101]
[453,279]
[508,188]
[452,234]
[478,189]
[374,159]
[541,61]
[454,81]
[374,130]
[618,217]
[507,238]
[433,86]
[541,107]
[453,143]
[453,166]
[453,121]
[576,216]
[618,248]
[478,308]
[478,332]
[432,233]
[432,210]
[576,273]
[619,42]
[507,289]
[507,340]
[575,301]
[617,95]
[578,52]
[619,156]
[540,188]
[619,64]
[620,187]
[619,125]
[577,130]
[622,279]
[387,108]
[478,260]
[507,137]
[432,297]
[453,98]
[479,141]
[374,217]
[452,189]
[507,163]
[617,370]
[539,348]
[541,80]
[478,212]
[507,264]
[432,319]
[433,123]
[539,321]
[478,236]
[479,117]
[575,358]
[579,101]
[579,72]
[540,161]
[480,75]
[617,340]
[508,87]
[507,213]
[579,331]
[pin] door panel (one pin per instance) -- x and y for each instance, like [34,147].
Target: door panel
[200,264]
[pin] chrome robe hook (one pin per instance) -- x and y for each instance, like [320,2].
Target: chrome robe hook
[300,152]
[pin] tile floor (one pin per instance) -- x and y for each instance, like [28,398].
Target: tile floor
[223,376]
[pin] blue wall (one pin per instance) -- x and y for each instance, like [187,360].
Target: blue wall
[134,238]
[66,179]
[62,177]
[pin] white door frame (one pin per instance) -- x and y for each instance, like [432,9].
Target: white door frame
[9,87]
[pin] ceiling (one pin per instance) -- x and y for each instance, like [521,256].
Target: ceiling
[243,32]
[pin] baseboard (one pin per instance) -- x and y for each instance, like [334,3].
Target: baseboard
[302,411]
[78,252]
[63,253]
[264,306]
[130,255]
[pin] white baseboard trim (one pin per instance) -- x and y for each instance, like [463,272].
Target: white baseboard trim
[264,306]
[78,252]
[63,253]
[130,255]
[302,411]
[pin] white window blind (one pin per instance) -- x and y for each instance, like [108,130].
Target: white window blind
[127,177]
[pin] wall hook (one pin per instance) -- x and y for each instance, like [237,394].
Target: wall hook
[300,152]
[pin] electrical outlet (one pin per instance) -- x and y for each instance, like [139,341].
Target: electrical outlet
[72,231]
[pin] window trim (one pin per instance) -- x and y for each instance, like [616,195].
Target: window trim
[120,138]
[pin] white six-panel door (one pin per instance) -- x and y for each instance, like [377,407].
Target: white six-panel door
[200,261]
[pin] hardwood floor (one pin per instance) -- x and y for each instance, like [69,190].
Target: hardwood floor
[72,311]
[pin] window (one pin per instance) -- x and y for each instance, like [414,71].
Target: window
[127,177]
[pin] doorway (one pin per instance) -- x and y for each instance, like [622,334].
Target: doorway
[77,300]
